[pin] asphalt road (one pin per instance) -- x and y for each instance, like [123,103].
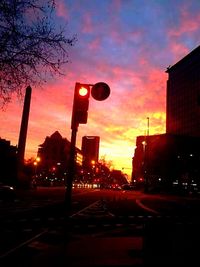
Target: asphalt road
[158,220]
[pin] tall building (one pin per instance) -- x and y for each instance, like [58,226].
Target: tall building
[183,96]
[90,149]
[172,159]
[166,158]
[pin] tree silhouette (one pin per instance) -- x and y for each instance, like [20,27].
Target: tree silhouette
[32,47]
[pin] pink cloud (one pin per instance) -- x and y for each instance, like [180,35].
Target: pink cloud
[95,44]
[120,37]
[61,9]
[189,23]
[178,49]
[87,26]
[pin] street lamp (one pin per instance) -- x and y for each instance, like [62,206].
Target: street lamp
[146,157]
[35,163]
[145,167]
[38,159]
[147,126]
[93,163]
[144,143]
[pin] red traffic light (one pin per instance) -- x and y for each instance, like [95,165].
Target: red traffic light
[83,91]
[80,105]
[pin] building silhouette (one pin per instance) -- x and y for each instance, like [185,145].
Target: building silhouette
[54,152]
[183,96]
[90,150]
[8,163]
[172,159]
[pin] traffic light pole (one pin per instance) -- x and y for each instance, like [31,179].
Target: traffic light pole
[71,171]
[100,91]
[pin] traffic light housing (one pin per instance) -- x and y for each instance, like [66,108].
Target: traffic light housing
[80,105]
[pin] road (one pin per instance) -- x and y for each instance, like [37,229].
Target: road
[106,213]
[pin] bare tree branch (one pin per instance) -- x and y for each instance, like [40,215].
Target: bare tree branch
[29,43]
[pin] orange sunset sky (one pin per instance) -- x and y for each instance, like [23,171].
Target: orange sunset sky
[127,44]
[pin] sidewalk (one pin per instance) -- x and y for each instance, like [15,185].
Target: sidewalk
[93,252]
[160,245]
[56,250]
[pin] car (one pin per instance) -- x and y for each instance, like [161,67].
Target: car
[7,192]
[116,187]
[127,187]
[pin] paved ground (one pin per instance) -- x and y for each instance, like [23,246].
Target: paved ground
[160,245]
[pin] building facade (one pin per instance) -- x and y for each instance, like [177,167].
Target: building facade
[183,96]
[167,160]
[171,159]
[54,153]
[8,162]
[90,150]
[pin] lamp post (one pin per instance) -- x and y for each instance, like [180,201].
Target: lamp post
[146,158]
[35,163]
[147,126]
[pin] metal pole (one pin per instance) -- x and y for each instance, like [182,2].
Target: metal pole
[71,171]
[147,126]
[146,159]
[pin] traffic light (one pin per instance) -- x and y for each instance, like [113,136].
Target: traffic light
[80,105]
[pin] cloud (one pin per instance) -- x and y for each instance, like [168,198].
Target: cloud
[61,9]
[127,44]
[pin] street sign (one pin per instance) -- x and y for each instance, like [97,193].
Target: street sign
[100,91]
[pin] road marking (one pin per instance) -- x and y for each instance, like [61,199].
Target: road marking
[138,202]
[23,220]
[119,224]
[84,209]
[107,225]
[51,219]
[92,208]
[36,219]
[92,226]
[22,245]
[38,245]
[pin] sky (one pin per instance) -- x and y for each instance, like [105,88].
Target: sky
[127,44]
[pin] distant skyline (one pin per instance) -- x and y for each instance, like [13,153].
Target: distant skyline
[128,44]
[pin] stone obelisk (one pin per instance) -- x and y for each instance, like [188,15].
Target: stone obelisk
[23,132]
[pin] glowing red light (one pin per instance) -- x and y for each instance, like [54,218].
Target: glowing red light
[83,91]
